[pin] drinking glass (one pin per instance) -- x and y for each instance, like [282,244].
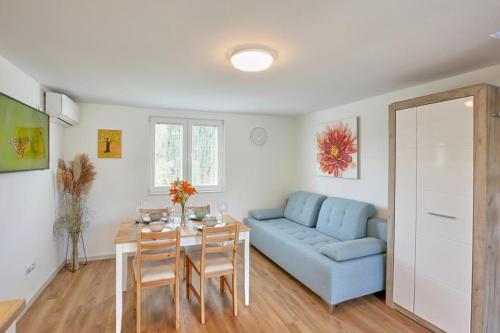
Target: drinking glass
[138,211]
[176,211]
[170,214]
[221,208]
[189,212]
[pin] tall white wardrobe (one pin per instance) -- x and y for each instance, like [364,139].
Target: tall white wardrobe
[444,232]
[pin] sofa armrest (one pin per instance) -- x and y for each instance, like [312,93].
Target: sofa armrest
[266,214]
[353,249]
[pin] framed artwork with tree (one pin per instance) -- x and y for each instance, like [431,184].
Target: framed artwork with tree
[109,143]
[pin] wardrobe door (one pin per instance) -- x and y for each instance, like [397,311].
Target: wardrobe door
[405,208]
[443,268]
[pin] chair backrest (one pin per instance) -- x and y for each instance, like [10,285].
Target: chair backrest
[220,240]
[205,209]
[154,210]
[153,246]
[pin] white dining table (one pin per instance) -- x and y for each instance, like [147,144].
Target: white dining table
[125,243]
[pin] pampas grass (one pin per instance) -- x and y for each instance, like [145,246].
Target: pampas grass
[74,181]
[76,177]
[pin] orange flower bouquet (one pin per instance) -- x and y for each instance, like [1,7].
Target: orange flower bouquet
[180,191]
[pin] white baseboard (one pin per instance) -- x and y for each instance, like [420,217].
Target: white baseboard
[53,275]
[40,290]
[94,258]
[101,257]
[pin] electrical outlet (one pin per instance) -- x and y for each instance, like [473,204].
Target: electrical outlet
[29,268]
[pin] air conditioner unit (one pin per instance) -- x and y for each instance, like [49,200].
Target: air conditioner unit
[61,109]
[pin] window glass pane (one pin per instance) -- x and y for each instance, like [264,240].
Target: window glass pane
[168,153]
[205,155]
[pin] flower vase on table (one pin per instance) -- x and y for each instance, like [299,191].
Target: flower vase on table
[183,214]
[180,192]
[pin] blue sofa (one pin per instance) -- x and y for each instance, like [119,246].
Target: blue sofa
[334,246]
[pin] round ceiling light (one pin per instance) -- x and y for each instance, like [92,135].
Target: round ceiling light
[252,59]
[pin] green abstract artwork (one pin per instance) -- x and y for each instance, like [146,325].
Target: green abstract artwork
[24,137]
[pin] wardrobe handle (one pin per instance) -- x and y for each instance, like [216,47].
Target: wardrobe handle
[442,215]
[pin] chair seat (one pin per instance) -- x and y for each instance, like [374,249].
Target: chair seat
[214,262]
[156,270]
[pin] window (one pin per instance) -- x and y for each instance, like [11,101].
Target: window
[189,149]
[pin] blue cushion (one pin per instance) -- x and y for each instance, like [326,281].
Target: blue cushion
[266,214]
[377,228]
[344,219]
[353,249]
[303,208]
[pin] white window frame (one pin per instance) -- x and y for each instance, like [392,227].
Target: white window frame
[187,124]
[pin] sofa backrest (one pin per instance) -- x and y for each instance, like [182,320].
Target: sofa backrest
[377,228]
[344,219]
[303,208]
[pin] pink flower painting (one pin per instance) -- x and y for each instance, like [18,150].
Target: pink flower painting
[337,149]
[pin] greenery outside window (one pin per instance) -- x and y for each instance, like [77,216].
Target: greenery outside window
[190,149]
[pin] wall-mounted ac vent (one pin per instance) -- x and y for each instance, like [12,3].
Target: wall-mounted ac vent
[495,35]
[61,109]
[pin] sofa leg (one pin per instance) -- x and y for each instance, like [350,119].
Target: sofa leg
[332,308]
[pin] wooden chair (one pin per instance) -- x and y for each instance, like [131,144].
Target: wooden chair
[144,211]
[205,209]
[216,258]
[157,264]
[154,210]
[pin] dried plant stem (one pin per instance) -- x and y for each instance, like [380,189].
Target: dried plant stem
[74,181]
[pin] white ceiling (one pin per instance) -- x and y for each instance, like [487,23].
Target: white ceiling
[173,53]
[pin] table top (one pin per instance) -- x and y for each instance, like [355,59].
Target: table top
[9,310]
[127,233]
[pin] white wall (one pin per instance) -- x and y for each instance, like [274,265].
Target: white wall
[27,205]
[372,185]
[256,176]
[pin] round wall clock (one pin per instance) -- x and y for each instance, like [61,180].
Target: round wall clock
[258,136]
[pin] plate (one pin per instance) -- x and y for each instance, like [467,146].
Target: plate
[165,228]
[147,220]
[200,227]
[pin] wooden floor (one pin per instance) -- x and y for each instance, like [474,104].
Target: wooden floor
[85,302]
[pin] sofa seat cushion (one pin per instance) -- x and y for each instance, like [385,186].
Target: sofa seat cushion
[292,232]
[297,250]
[303,208]
[344,219]
[353,249]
